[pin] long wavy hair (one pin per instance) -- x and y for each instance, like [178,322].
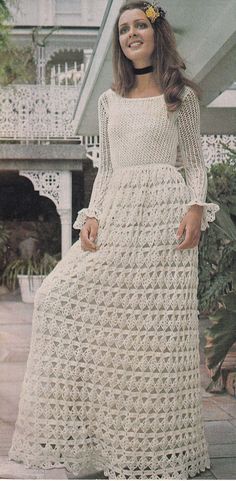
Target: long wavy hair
[165,60]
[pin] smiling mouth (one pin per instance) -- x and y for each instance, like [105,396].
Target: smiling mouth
[135,44]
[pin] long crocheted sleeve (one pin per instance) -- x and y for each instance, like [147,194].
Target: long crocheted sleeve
[104,169]
[188,121]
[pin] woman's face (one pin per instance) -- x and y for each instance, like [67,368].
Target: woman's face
[134,25]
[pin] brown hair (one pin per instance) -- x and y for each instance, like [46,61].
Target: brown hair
[165,60]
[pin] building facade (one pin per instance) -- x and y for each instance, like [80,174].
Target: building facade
[37,135]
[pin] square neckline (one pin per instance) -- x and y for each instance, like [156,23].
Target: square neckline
[137,98]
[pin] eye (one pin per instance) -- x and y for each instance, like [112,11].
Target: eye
[122,30]
[142,24]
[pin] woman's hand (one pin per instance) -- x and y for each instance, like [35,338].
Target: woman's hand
[88,235]
[191,224]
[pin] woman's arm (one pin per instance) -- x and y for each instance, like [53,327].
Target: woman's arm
[104,170]
[188,122]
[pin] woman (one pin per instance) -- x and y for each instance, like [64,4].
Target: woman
[112,378]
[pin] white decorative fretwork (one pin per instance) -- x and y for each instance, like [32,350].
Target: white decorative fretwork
[37,112]
[46,182]
[92,153]
[57,186]
[213,150]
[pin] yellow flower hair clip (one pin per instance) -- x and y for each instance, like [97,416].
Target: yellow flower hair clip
[153,11]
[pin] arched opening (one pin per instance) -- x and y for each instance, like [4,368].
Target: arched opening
[65,67]
[26,214]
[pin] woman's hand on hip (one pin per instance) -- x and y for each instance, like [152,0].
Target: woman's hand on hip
[88,235]
[191,225]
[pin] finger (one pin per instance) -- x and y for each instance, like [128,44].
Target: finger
[88,244]
[187,242]
[84,233]
[93,234]
[180,230]
[90,249]
[88,235]
[90,241]
[91,245]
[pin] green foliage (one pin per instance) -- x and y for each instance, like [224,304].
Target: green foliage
[17,65]
[49,236]
[4,240]
[217,252]
[33,266]
[40,263]
[4,28]
[222,182]
[3,8]
[217,265]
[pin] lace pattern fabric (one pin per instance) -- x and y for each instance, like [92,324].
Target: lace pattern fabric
[182,131]
[188,124]
[104,172]
[112,379]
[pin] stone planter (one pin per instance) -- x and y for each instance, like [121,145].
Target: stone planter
[29,285]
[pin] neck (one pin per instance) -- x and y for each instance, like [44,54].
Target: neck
[145,81]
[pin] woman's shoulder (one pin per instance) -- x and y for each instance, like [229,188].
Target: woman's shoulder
[104,96]
[188,92]
[189,102]
[104,99]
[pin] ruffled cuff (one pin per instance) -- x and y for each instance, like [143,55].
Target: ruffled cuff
[208,214]
[82,217]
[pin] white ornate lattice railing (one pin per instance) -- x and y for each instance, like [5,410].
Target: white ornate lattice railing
[31,112]
[45,112]
[213,150]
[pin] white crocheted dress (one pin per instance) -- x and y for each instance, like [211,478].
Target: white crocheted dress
[112,379]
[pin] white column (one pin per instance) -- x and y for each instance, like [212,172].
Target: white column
[41,65]
[65,211]
[57,186]
[87,55]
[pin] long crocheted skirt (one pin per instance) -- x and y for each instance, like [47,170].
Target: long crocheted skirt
[112,379]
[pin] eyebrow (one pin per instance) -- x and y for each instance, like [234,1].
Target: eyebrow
[136,20]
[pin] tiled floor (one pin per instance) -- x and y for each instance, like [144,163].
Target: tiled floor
[15,328]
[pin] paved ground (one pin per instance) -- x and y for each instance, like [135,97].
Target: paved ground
[15,329]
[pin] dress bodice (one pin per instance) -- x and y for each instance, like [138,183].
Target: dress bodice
[140,131]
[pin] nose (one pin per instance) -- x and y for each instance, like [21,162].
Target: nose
[132,32]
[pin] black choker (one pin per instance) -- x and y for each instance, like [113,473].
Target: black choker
[140,71]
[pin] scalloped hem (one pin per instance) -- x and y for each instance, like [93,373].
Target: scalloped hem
[199,469]
[82,217]
[109,473]
[209,212]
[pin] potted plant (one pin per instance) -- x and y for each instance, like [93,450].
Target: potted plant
[29,273]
